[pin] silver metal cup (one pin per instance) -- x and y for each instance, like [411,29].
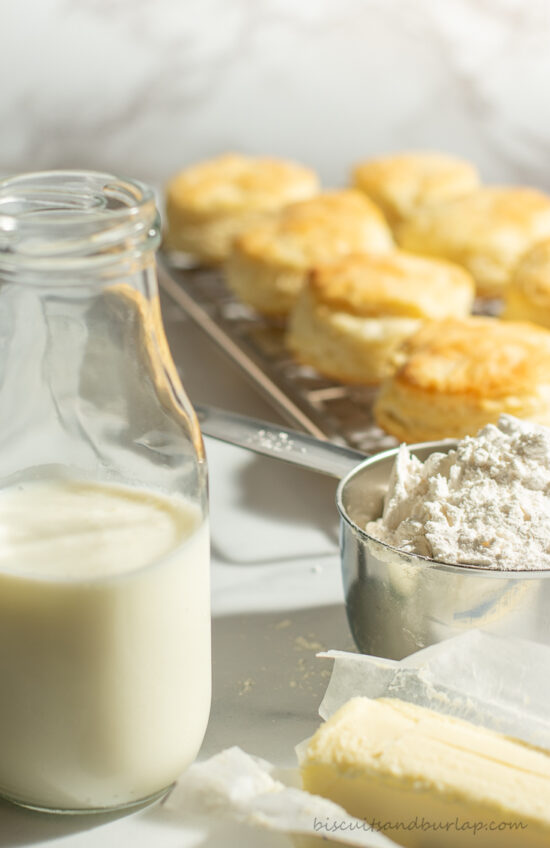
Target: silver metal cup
[398,603]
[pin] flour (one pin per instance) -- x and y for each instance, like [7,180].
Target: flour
[486,503]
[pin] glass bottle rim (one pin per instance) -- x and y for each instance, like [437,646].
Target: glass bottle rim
[70,217]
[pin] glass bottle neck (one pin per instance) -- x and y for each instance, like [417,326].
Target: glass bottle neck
[71,227]
[86,377]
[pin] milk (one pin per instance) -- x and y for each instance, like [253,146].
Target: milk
[104,642]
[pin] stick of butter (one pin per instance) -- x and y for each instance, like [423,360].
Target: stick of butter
[428,780]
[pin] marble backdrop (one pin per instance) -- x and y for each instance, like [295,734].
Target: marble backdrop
[143,87]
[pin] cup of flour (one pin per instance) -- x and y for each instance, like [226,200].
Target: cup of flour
[438,539]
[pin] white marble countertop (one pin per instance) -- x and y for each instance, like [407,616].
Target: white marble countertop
[276,600]
[157,86]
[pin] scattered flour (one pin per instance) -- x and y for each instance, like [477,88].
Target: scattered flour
[485,503]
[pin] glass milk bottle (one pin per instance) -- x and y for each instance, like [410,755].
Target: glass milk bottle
[104,552]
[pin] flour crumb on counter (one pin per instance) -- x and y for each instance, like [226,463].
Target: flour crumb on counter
[283,624]
[309,644]
[245,686]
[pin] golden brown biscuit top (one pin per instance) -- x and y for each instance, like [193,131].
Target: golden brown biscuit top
[501,217]
[396,283]
[532,275]
[480,357]
[318,230]
[403,182]
[233,181]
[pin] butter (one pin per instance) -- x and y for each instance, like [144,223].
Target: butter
[427,779]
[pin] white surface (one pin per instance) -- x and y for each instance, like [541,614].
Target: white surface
[277,599]
[143,88]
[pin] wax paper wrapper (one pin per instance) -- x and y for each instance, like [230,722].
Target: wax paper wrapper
[499,683]
[237,786]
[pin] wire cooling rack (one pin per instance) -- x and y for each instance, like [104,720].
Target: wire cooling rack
[324,408]
[309,402]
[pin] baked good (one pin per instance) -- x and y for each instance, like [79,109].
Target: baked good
[209,203]
[456,376]
[404,182]
[486,231]
[528,295]
[353,314]
[269,262]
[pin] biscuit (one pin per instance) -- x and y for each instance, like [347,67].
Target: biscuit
[208,204]
[486,231]
[528,295]
[404,182]
[456,376]
[270,261]
[352,315]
